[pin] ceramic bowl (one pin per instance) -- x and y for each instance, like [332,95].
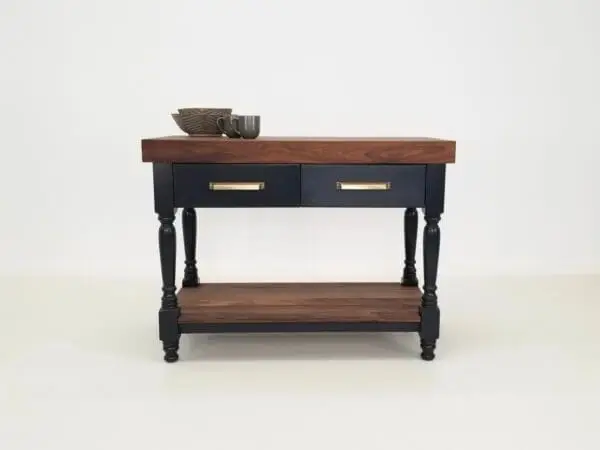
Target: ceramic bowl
[200,121]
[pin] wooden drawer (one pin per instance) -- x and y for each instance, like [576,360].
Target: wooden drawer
[236,185]
[363,185]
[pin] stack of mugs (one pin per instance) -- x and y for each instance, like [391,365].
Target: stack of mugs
[216,122]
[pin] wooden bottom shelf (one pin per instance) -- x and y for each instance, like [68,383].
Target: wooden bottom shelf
[245,303]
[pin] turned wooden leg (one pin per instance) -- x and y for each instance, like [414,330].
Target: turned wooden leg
[411,222]
[169,311]
[434,207]
[168,315]
[190,276]
[430,313]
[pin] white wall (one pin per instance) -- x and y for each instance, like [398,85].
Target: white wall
[514,82]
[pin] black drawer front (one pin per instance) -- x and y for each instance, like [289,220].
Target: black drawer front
[236,185]
[368,186]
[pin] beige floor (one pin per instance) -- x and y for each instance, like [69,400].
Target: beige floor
[518,367]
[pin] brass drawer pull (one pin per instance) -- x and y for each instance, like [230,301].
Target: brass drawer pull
[362,186]
[237,186]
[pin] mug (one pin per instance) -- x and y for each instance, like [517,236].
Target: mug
[225,124]
[247,127]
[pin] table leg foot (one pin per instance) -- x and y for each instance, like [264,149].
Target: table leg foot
[171,354]
[427,350]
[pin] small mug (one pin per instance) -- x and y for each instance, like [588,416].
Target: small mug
[247,127]
[225,124]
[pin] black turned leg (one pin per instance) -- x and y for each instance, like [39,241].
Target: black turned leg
[430,313]
[434,207]
[169,311]
[411,222]
[190,276]
[168,315]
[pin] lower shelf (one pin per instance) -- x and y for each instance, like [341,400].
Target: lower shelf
[299,307]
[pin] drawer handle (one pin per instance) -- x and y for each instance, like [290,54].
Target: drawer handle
[237,186]
[362,186]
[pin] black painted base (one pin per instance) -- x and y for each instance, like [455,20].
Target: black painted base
[427,347]
[428,350]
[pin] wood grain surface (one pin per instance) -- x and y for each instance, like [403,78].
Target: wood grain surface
[298,150]
[299,302]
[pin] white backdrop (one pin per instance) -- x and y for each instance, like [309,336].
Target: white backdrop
[514,82]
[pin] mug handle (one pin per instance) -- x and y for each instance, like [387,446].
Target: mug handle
[235,125]
[221,124]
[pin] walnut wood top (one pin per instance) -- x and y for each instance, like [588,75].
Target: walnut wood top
[304,302]
[298,150]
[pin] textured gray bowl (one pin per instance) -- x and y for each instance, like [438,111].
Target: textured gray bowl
[175,117]
[200,121]
[204,110]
